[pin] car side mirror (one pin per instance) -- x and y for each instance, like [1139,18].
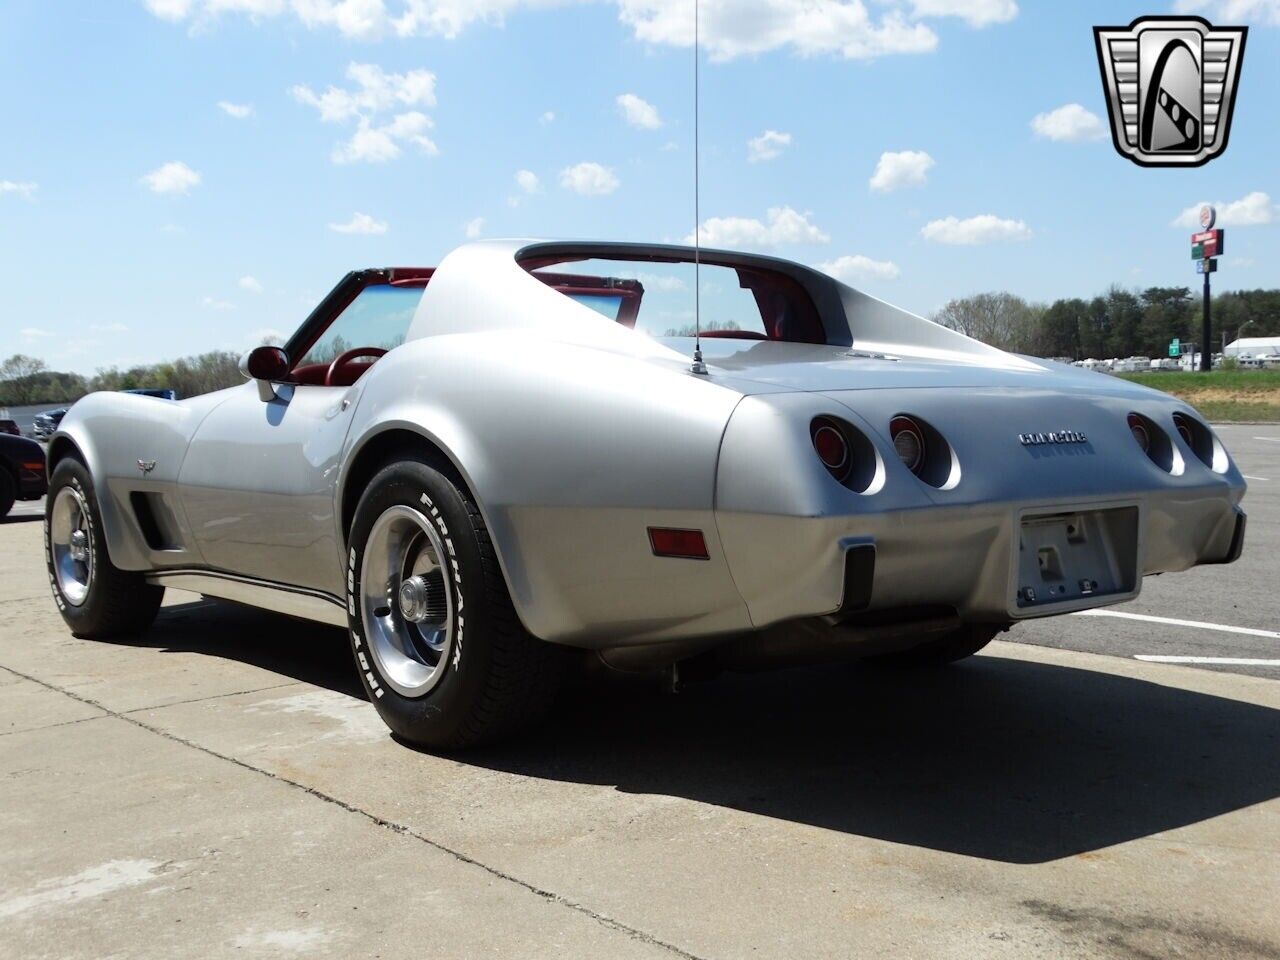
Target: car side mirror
[267,365]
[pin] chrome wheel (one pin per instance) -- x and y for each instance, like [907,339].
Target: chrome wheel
[406,601]
[69,543]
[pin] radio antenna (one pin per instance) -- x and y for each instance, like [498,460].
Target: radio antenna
[698,366]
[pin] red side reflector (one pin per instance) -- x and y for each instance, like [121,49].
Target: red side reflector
[34,467]
[688,544]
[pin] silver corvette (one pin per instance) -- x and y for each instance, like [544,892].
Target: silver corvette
[492,469]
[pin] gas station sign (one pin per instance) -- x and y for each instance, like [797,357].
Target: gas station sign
[1208,244]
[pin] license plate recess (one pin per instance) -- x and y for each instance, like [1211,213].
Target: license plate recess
[1076,557]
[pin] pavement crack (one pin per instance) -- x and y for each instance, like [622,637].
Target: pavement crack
[52,726]
[212,696]
[399,828]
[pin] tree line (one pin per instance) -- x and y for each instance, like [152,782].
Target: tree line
[27,380]
[1118,323]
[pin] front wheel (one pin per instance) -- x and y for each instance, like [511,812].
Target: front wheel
[96,598]
[441,653]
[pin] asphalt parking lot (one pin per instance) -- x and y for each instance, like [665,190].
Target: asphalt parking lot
[218,787]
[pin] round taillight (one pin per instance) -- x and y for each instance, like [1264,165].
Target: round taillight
[1140,432]
[908,442]
[832,447]
[847,454]
[1201,441]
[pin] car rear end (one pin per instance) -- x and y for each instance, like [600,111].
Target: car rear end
[24,459]
[989,503]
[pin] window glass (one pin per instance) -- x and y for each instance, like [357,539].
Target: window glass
[659,298]
[667,304]
[604,305]
[378,317]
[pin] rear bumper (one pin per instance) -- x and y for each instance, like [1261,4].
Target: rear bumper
[964,558]
[32,484]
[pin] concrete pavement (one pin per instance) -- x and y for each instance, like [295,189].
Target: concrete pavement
[218,788]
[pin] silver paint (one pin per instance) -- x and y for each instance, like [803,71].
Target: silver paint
[574,435]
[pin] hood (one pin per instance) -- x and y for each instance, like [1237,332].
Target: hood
[754,366]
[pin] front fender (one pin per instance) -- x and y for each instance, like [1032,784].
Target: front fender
[111,433]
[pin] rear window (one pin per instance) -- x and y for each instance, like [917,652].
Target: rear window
[658,298]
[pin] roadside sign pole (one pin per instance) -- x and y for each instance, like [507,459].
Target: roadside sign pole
[1206,331]
[1206,246]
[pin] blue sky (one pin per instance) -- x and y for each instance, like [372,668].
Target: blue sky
[140,220]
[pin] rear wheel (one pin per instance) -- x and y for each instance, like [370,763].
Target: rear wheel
[8,491]
[440,650]
[95,597]
[957,645]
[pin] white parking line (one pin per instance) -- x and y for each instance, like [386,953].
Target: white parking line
[1271,439]
[1171,622]
[1247,477]
[1231,661]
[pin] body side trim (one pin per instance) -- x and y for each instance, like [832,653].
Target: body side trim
[265,594]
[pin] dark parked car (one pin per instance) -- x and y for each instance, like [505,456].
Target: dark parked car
[162,393]
[22,473]
[10,427]
[46,424]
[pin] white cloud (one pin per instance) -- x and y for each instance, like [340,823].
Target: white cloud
[548,117]
[173,177]
[239,111]
[360,223]
[26,188]
[1253,210]
[527,180]
[213,303]
[35,333]
[169,9]
[768,145]
[729,28]
[375,91]
[1265,12]
[249,283]
[857,268]
[1070,123]
[782,226]
[109,327]
[378,144]
[356,19]
[374,94]
[589,179]
[639,113]
[976,13]
[907,168]
[734,28]
[474,227]
[982,229]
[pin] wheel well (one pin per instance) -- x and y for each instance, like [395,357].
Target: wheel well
[385,448]
[60,449]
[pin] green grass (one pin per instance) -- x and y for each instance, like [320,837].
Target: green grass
[1221,395]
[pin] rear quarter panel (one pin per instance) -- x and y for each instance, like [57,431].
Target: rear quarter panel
[571,453]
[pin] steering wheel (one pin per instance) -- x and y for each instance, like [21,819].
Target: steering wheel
[344,359]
